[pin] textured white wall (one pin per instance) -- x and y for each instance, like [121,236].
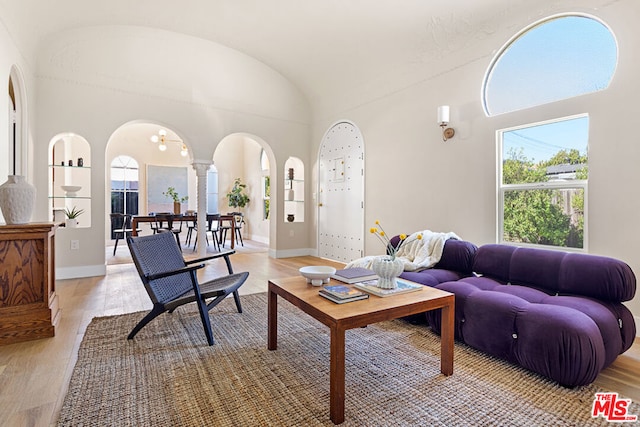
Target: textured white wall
[415,181]
[93,81]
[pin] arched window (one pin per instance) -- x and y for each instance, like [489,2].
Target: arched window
[543,172]
[557,58]
[124,185]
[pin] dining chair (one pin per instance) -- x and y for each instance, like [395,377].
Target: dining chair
[238,221]
[170,223]
[213,226]
[121,227]
[157,225]
[192,226]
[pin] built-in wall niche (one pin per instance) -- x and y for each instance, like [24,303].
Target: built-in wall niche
[294,190]
[70,178]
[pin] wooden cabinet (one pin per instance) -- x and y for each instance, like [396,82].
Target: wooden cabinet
[28,301]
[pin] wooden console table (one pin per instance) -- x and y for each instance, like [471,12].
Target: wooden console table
[28,301]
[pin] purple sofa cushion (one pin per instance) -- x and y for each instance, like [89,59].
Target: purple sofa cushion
[432,277]
[457,255]
[569,339]
[559,343]
[456,262]
[494,261]
[536,268]
[558,272]
[597,277]
[602,316]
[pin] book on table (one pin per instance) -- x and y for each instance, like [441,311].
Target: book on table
[337,300]
[342,293]
[404,286]
[354,275]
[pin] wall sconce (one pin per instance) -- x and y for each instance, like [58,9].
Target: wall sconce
[443,122]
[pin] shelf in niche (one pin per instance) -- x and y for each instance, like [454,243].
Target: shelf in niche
[70,167]
[70,197]
[294,201]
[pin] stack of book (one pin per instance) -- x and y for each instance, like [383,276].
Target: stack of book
[342,293]
[354,275]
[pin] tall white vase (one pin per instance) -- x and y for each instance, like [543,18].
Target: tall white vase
[17,198]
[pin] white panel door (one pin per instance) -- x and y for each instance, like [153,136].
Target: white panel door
[341,193]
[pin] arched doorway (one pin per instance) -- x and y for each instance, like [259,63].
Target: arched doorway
[251,159]
[140,159]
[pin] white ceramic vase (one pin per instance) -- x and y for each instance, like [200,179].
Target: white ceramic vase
[71,222]
[388,269]
[17,198]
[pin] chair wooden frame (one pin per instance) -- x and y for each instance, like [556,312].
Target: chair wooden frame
[172,282]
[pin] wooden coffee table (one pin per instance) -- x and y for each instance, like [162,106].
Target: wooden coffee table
[340,317]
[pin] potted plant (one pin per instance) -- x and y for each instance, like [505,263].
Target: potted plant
[237,197]
[177,200]
[72,216]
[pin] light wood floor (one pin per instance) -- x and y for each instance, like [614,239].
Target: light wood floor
[34,375]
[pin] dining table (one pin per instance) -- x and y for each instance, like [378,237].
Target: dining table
[137,219]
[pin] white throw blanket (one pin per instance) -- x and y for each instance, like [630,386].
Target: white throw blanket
[416,254]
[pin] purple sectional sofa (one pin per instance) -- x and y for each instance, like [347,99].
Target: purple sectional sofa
[556,313]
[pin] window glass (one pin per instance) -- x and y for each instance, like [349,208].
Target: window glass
[555,59]
[544,172]
[124,185]
[212,190]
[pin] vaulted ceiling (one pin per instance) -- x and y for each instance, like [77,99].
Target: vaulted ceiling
[330,49]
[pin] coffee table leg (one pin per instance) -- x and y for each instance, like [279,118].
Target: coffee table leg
[336,376]
[446,339]
[272,319]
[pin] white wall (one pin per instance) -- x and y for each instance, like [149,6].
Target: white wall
[414,180]
[11,56]
[92,81]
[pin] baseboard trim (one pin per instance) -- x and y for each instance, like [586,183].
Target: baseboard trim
[80,271]
[259,239]
[288,253]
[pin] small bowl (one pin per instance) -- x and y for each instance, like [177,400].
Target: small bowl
[317,275]
[71,190]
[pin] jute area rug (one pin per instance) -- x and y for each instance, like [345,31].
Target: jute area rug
[169,376]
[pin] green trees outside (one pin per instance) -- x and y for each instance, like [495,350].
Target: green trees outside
[541,215]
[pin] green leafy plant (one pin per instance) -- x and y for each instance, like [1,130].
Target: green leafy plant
[73,213]
[237,196]
[171,192]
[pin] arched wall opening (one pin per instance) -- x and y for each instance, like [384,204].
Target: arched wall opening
[17,123]
[239,155]
[155,169]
